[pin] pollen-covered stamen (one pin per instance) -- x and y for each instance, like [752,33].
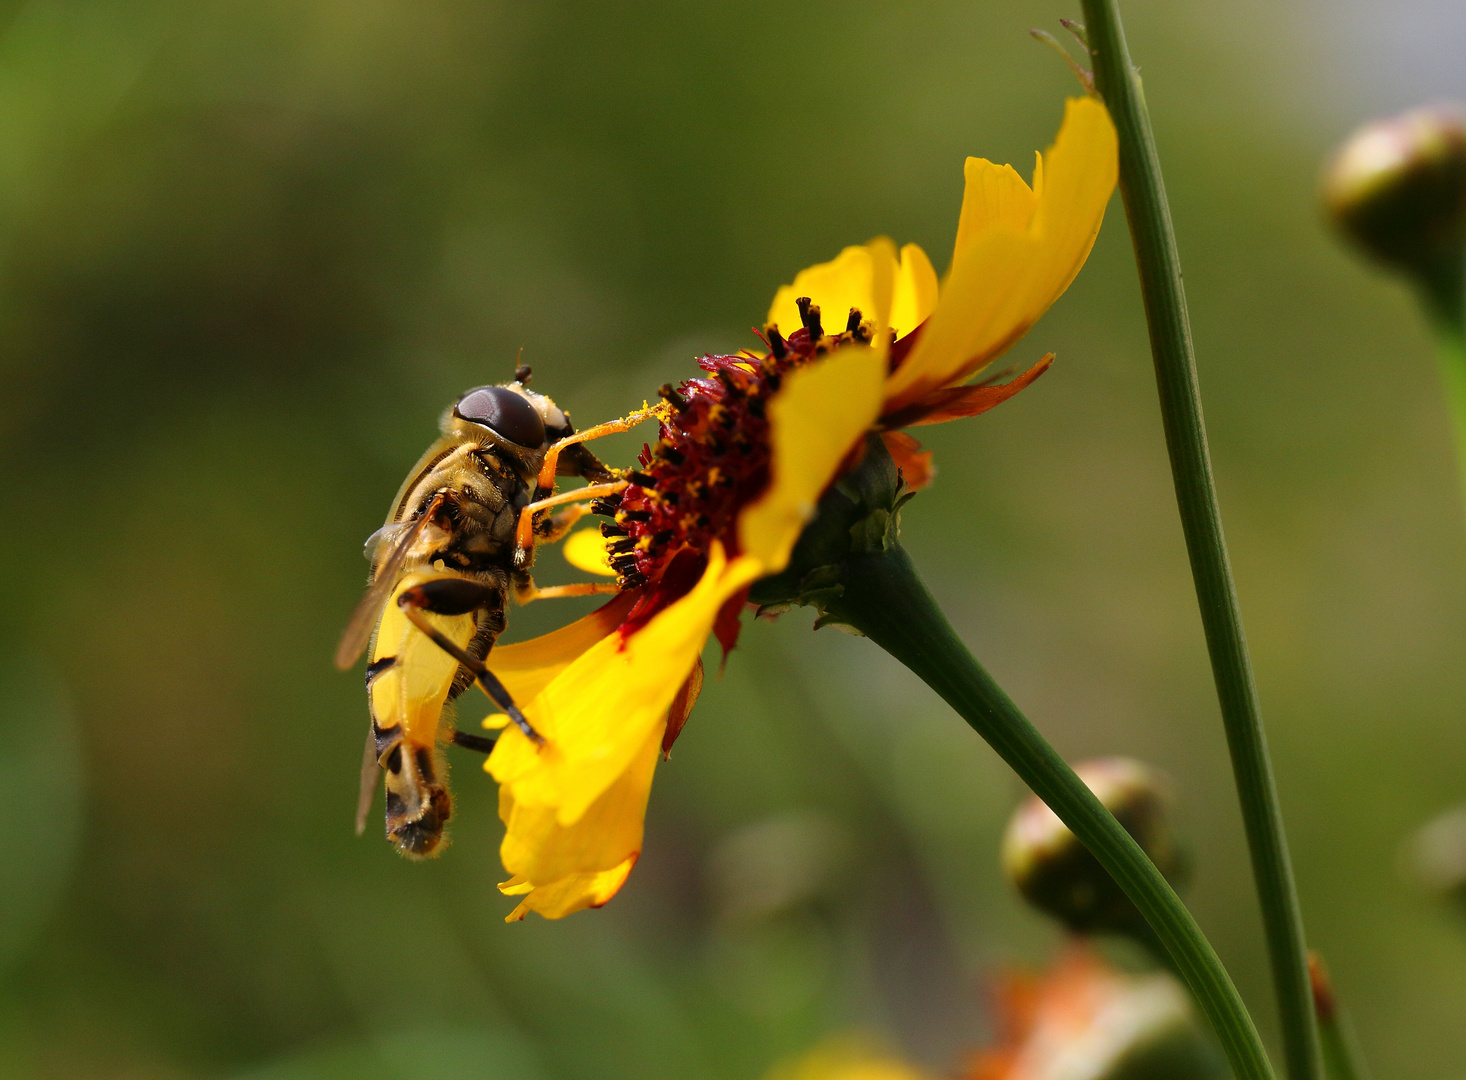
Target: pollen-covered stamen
[777,345]
[809,315]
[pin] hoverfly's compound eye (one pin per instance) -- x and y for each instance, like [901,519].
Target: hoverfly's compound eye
[503,412]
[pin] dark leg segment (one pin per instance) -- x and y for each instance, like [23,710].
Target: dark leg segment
[472,742]
[455,595]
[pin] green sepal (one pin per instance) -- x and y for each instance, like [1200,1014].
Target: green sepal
[859,516]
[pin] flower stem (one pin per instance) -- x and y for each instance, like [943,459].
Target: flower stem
[1450,349]
[1341,1052]
[1170,335]
[1341,1056]
[884,598]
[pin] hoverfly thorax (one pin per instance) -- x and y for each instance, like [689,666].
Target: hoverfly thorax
[443,566]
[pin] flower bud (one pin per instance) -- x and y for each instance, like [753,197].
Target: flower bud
[1058,875]
[1436,856]
[1397,188]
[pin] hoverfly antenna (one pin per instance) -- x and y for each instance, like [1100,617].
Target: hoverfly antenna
[503,412]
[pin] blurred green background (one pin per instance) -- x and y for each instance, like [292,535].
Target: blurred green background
[249,251]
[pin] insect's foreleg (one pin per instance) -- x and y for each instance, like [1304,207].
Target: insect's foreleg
[460,596]
[524,533]
[552,529]
[527,591]
[613,427]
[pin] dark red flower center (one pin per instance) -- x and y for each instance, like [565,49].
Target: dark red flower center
[711,459]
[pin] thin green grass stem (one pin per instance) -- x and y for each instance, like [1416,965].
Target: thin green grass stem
[1342,1057]
[1170,334]
[884,598]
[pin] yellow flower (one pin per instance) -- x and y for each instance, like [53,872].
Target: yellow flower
[845,1059]
[744,456]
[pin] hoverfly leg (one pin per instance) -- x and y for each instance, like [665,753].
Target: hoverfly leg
[613,427]
[524,534]
[526,593]
[472,742]
[552,530]
[460,596]
[578,460]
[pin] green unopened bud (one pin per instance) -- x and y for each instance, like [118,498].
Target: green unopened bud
[859,516]
[1058,875]
[1397,187]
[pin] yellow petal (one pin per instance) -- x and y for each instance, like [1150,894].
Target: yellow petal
[1078,175]
[526,667]
[539,849]
[1003,276]
[574,808]
[815,420]
[601,709]
[515,886]
[859,277]
[572,894]
[586,550]
[916,291]
[994,197]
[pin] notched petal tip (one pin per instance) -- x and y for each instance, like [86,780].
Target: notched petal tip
[1018,250]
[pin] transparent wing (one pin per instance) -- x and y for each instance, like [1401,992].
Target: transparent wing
[364,618]
[370,771]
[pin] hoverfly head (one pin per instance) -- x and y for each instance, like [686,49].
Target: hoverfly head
[520,418]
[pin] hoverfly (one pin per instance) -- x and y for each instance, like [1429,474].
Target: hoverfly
[458,541]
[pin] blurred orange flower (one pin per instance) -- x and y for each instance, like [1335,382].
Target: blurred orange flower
[1085,1020]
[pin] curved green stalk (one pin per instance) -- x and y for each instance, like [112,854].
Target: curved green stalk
[1170,335]
[881,595]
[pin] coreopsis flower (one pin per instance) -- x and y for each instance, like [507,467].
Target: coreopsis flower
[744,454]
[1084,1020]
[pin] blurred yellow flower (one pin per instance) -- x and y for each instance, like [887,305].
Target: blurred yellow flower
[744,455]
[845,1059]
